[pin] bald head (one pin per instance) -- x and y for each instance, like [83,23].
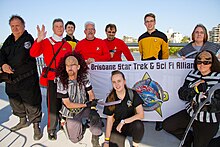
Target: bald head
[71,60]
[72,67]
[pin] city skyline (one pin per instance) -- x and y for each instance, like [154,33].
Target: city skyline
[181,16]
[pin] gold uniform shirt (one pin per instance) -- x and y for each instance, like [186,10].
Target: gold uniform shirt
[153,45]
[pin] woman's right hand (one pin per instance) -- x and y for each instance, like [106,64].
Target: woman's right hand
[41,33]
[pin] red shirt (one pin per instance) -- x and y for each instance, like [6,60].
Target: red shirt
[96,49]
[119,47]
[45,47]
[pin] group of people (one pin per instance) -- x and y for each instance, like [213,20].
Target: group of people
[71,101]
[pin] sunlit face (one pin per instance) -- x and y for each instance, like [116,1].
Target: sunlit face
[204,63]
[110,33]
[199,34]
[118,82]
[17,27]
[150,23]
[58,28]
[70,29]
[72,67]
[90,32]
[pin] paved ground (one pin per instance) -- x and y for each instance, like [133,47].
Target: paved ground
[24,137]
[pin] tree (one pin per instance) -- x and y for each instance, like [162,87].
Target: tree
[185,39]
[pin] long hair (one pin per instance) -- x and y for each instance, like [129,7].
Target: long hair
[215,62]
[204,30]
[112,95]
[62,73]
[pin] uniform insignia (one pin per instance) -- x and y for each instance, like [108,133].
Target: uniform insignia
[63,49]
[27,45]
[129,103]
[97,48]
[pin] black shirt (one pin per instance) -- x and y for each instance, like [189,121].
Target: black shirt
[125,109]
[16,54]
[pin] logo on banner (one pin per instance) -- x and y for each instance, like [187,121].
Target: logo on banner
[151,93]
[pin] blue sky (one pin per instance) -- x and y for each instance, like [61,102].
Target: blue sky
[128,15]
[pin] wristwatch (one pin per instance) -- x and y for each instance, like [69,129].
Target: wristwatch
[122,121]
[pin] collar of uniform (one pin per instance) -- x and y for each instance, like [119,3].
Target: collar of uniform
[57,38]
[72,81]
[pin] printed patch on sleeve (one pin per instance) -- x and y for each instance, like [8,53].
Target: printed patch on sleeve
[27,45]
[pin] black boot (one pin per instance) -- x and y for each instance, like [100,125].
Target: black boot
[159,126]
[95,141]
[22,124]
[37,132]
[52,135]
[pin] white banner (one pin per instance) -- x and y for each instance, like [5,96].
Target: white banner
[160,80]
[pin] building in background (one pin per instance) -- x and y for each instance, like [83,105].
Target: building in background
[174,37]
[214,34]
[127,39]
[169,33]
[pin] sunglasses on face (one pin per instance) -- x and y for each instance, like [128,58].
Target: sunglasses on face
[111,32]
[204,62]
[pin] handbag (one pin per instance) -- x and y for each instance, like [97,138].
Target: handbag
[5,77]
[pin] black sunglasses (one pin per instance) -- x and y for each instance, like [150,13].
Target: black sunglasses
[204,62]
[111,32]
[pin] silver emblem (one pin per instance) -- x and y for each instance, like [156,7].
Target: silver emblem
[27,45]
[129,103]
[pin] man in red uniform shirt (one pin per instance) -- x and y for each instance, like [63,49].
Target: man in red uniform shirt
[48,47]
[92,49]
[116,46]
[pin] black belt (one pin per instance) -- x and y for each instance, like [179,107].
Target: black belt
[23,76]
[52,69]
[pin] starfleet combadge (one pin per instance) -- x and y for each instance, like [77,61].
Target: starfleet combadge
[63,49]
[129,103]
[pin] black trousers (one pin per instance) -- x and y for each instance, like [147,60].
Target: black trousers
[215,142]
[25,98]
[202,132]
[134,129]
[53,106]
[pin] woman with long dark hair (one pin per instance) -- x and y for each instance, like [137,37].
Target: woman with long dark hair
[124,118]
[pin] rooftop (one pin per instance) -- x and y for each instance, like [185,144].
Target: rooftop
[24,137]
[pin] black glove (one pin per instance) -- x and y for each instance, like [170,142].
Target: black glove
[202,87]
[94,117]
[92,103]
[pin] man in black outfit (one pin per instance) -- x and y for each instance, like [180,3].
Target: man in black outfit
[24,90]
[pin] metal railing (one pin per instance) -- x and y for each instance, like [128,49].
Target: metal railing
[135,44]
